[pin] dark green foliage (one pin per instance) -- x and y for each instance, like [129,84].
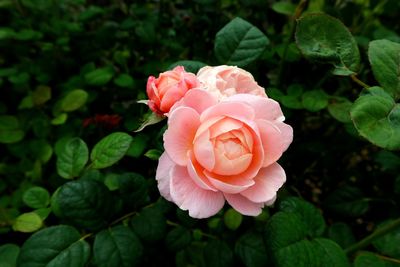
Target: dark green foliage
[77,183]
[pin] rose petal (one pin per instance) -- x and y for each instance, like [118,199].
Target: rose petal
[286,134]
[178,138]
[204,151]
[267,183]
[196,173]
[188,196]
[243,205]
[224,125]
[272,141]
[172,95]
[236,110]
[231,185]
[164,167]
[265,108]
[198,99]
[225,166]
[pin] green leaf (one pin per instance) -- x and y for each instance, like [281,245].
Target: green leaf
[283,229]
[36,197]
[72,158]
[124,80]
[232,219]
[340,110]
[178,238]
[132,189]
[60,119]
[150,224]
[28,34]
[43,213]
[285,8]
[117,247]
[74,100]
[10,131]
[286,236]
[341,233]
[347,201]
[153,118]
[189,65]
[99,77]
[384,56]
[85,203]
[20,78]
[314,100]
[292,102]
[239,43]
[377,118]
[41,95]
[388,244]
[331,254]
[27,222]
[153,154]
[325,39]
[138,145]
[9,254]
[41,150]
[310,215]
[368,259]
[110,150]
[54,246]
[218,254]
[6,33]
[389,161]
[251,250]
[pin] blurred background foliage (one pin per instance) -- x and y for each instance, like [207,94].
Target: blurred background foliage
[71,72]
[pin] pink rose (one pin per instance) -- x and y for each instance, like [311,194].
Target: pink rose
[168,88]
[223,81]
[217,151]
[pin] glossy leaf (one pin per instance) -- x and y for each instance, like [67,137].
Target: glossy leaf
[310,215]
[239,43]
[110,150]
[178,238]
[72,158]
[117,247]
[388,244]
[8,255]
[85,203]
[150,224]
[251,250]
[36,197]
[54,246]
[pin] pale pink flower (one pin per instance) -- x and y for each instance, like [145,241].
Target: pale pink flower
[223,150]
[224,81]
[168,88]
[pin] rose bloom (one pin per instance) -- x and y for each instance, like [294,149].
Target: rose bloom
[223,81]
[168,88]
[227,150]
